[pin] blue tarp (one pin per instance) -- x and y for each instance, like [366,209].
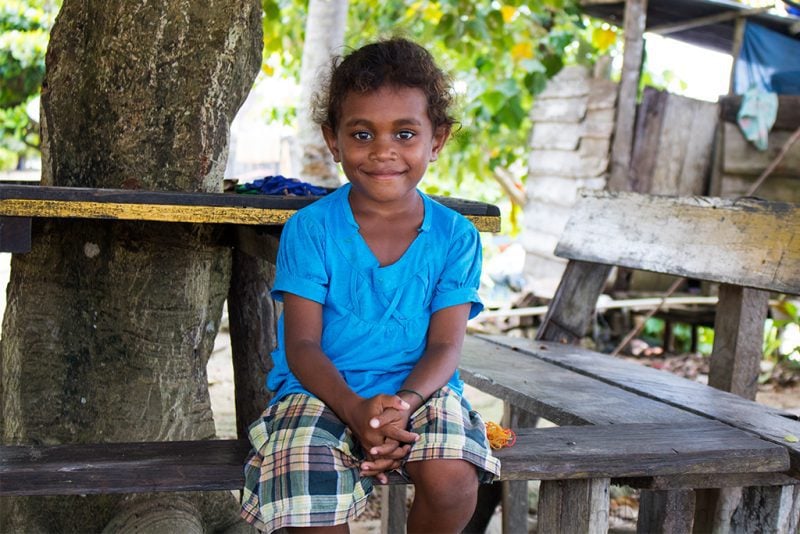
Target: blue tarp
[769,61]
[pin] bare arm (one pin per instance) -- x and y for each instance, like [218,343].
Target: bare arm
[442,354]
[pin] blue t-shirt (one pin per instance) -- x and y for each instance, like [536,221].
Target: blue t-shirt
[375,319]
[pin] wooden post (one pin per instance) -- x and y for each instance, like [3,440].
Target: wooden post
[666,512]
[635,20]
[574,506]
[738,339]
[252,316]
[393,509]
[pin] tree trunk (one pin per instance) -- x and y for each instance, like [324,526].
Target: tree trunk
[325,27]
[109,325]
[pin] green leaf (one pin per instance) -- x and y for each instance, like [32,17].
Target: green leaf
[791,438]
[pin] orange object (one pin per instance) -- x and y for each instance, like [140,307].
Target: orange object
[499,437]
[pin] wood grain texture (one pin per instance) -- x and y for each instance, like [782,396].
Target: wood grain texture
[555,393]
[638,450]
[735,361]
[663,388]
[122,467]
[216,208]
[574,506]
[744,242]
[573,306]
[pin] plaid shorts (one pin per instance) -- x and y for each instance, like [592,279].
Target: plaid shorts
[304,468]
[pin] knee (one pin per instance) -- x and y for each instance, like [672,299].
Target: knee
[445,484]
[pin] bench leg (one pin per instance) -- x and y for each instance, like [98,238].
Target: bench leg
[515,506]
[574,506]
[393,509]
[666,512]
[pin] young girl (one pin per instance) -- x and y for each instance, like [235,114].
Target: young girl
[378,282]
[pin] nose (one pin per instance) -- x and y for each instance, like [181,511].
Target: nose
[383,150]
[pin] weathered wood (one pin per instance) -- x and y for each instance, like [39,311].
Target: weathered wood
[122,467]
[621,152]
[217,208]
[252,316]
[738,339]
[788,117]
[768,509]
[557,394]
[574,506]
[671,390]
[638,450]
[741,157]
[573,305]
[393,509]
[702,228]
[666,512]
[672,149]
[717,480]
[15,234]
[515,492]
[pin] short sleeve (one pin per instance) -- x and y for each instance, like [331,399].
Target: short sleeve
[461,277]
[300,266]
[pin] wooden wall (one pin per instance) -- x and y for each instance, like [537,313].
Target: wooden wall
[741,163]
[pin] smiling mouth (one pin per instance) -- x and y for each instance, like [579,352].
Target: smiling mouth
[385,175]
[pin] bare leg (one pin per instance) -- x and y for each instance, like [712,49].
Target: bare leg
[445,493]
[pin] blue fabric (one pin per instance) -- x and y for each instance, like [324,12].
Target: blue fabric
[375,319]
[756,116]
[280,185]
[769,61]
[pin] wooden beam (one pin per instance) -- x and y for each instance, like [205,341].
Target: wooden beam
[738,337]
[621,150]
[674,27]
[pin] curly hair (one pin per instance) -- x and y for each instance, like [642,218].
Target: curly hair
[395,62]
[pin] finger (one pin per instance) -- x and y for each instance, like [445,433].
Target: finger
[403,436]
[393,401]
[377,465]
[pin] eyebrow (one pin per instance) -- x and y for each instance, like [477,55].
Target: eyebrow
[398,123]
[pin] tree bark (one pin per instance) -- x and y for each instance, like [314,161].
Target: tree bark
[109,325]
[325,27]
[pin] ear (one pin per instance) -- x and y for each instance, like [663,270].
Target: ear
[330,139]
[440,137]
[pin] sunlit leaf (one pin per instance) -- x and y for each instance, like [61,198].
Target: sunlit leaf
[603,38]
[508,13]
[522,51]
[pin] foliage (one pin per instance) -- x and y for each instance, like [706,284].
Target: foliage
[782,334]
[24,33]
[500,54]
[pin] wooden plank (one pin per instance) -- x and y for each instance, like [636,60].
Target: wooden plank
[123,467]
[573,305]
[741,157]
[692,397]
[738,340]
[638,450]
[215,208]
[557,394]
[644,232]
[672,150]
[788,117]
[393,509]
[574,506]
[716,480]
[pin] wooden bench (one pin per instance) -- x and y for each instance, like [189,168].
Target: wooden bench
[750,248]
[619,421]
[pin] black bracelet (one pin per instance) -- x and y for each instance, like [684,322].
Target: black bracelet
[417,393]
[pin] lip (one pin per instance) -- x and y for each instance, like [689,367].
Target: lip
[384,175]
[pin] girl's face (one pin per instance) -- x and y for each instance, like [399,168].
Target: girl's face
[384,142]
